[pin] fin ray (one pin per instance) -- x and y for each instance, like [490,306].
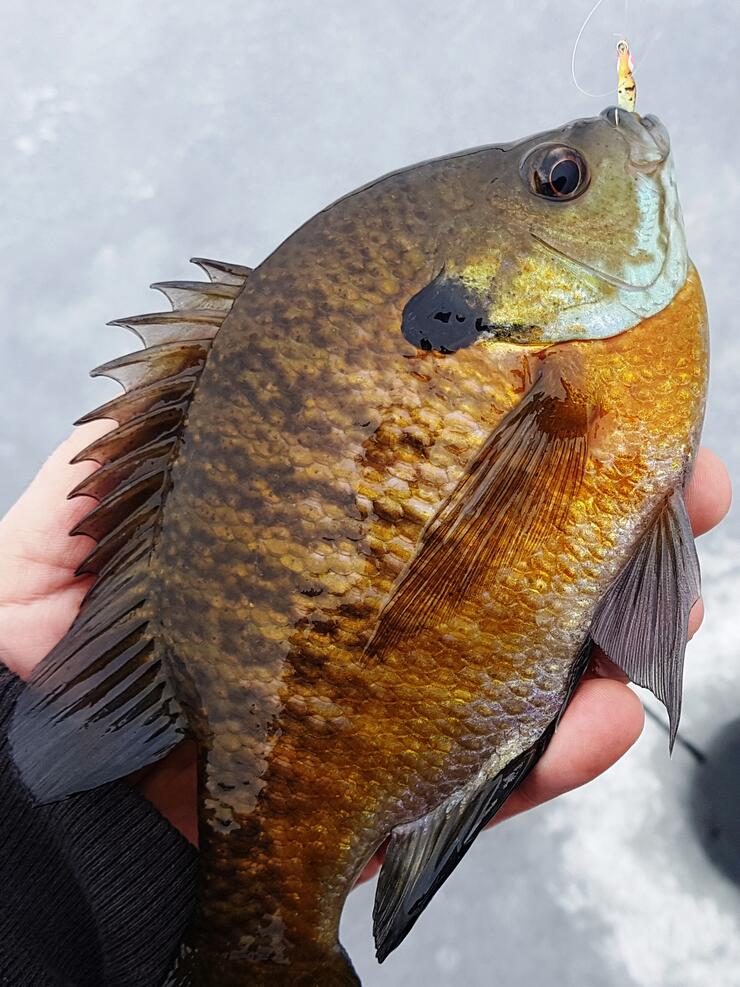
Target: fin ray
[149,459]
[119,505]
[154,364]
[135,434]
[170,327]
[131,404]
[100,705]
[183,295]
[518,487]
[642,622]
[218,270]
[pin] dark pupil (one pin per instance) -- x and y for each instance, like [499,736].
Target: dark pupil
[565,176]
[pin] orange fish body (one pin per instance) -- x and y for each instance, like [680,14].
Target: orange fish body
[439,439]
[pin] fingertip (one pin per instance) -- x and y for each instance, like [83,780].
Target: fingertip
[58,475]
[603,721]
[709,492]
[172,786]
[608,712]
[35,538]
[696,617]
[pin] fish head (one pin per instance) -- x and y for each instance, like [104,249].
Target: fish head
[579,235]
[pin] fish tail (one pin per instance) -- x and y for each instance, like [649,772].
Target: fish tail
[268,906]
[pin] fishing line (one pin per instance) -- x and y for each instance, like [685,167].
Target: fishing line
[699,756]
[574,54]
[651,41]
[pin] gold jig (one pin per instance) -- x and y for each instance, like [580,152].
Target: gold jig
[627,87]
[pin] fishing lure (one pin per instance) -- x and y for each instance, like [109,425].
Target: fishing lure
[627,87]
[367,510]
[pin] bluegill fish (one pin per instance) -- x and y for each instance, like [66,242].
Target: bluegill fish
[366,512]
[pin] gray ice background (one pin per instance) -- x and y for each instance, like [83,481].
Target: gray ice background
[134,134]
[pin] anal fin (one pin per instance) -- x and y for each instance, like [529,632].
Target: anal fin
[642,623]
[422,854]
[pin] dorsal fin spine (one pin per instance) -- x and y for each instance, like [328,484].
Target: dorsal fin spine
[133,435]
[100,705]
[128,405]
[142,461]
[155,363]
[220,271]
[154,404]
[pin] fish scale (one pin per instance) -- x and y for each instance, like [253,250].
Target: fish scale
[450,740]
[378,550]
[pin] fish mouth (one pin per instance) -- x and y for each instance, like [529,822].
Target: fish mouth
[647,138]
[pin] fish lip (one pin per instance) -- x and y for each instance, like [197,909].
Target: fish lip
[647,138]
[610,279]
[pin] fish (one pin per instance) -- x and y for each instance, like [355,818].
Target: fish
[367,510]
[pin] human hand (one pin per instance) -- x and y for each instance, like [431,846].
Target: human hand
[40,596]
[605,717]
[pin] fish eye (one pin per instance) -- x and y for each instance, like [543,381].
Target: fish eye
[555,172]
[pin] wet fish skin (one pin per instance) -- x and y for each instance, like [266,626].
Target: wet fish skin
[318,450]
[352,749]
[374,565]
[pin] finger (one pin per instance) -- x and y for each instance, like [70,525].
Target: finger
[696,618]
[373,865]
[602,722]
[600,666]
[39,595]
[35,543]
[709,493]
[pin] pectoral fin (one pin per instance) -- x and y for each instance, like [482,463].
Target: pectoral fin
[514,494]
[642,622]
[422,854]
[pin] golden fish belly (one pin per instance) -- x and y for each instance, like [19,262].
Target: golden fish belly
[314,458]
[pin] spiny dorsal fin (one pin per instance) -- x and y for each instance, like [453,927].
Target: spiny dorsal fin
[197,294]
[99,705]
[218,270]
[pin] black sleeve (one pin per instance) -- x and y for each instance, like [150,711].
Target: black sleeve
[95,891]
